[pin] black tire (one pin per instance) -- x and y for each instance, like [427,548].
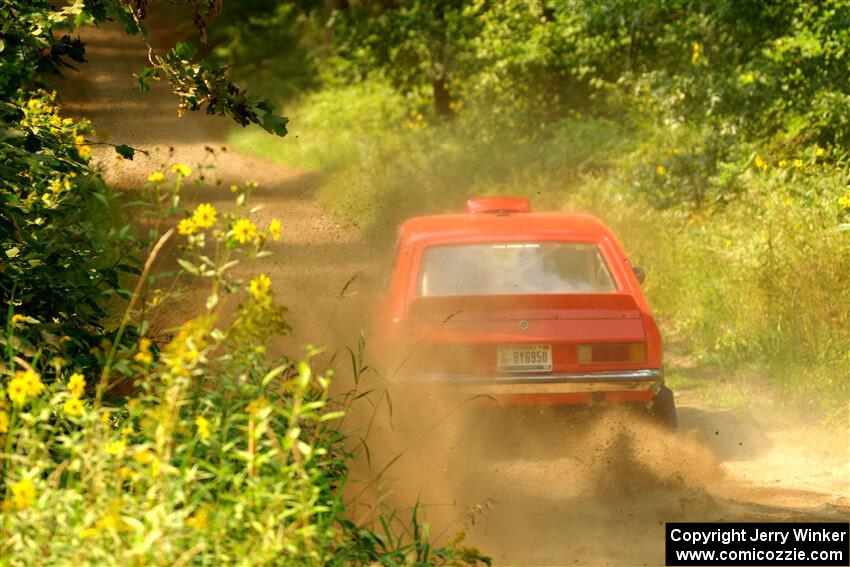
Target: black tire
[663,408]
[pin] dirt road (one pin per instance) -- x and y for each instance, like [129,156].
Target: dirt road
[316,256]
[550,490]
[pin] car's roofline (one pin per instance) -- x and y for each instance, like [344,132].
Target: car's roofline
[478,227]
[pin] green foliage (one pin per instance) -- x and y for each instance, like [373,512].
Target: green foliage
[64,248]
[204,85]
[223,455]
[67,247]
[243,33]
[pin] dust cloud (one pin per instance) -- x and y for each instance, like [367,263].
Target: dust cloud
[555,487]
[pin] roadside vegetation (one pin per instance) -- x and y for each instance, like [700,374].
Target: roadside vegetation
[711,136]
[122,444]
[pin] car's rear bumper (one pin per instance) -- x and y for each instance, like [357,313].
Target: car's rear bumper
[618,386]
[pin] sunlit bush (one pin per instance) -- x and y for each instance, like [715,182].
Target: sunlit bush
[221,456]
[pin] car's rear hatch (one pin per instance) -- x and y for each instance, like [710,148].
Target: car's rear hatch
[466,335]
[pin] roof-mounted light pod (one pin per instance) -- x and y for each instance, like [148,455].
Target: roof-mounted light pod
[498,205]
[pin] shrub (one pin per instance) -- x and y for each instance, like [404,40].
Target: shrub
[223,456]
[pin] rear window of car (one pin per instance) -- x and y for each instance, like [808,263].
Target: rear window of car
[514,268]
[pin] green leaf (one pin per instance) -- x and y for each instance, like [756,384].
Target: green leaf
[185,50]
[331,415]
[125,151]
[272,374]
[275,124]
[102,198]
[189,267]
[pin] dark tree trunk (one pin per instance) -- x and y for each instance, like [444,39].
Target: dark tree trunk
[442,99]
[330,7]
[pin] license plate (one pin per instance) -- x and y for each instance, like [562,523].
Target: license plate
[524,358]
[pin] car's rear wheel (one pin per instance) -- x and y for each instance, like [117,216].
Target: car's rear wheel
[663,408]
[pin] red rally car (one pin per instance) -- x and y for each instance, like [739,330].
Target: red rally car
[527,308]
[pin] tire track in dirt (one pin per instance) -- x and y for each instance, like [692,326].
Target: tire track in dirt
[541,490]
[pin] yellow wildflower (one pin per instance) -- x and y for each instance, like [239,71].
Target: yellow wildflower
[156,177]
[798,163]
[127,431]
[105,416]
[783,163]
[143,456]
[117,448]
[156,465]
[186,227]
[23,493]
[244,230]
[181,169]
[257,405]
[204,216]
[203,427]
[73,407]
[845,201]
[275,229]
[125,472]
[760,163]
[87,533]
[696,51]
[144,355]
[84,152]
[234,188]
[198,520]
[260,286]
[190,355]
[32,381]
[175,365]
[17,391]
[819,152]
[111,521]
[76,384]
[661,170]
[4,421]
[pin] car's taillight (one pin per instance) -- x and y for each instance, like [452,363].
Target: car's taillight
[611,353]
